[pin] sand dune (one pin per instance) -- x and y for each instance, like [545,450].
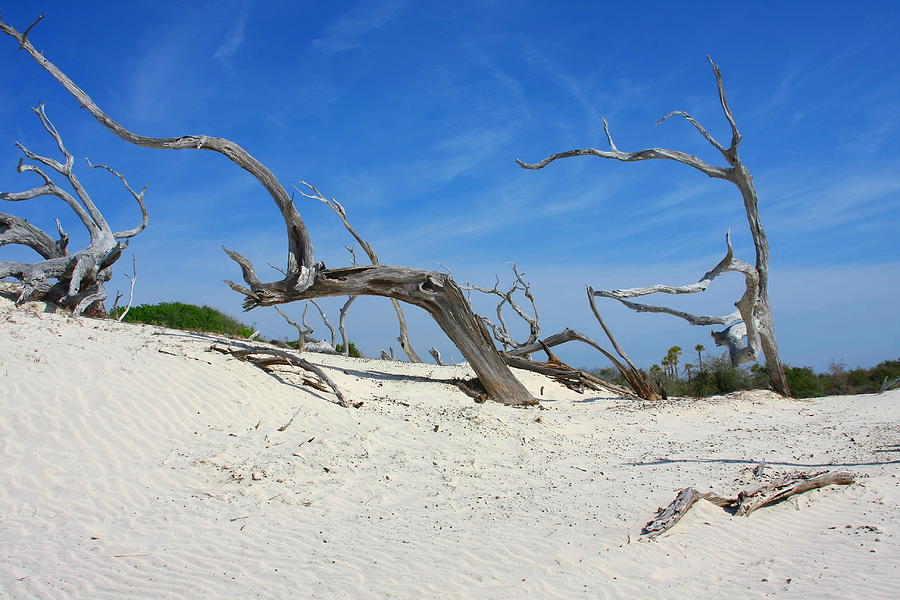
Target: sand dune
[136,463]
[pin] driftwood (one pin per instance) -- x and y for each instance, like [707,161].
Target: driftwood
[745,502]
[325,320]
[267,358]
[436,355]
[574,379]
[304,279]
[302,330]
[634,376]
[666,517]
[754,306]
[74,281]
[785,487]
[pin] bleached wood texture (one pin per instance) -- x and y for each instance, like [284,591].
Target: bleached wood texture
[758,316]
[666,517]
[74,281]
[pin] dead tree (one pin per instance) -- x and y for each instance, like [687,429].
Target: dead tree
[518,354]
[304,279]
[500,329]
[73,281]
[339,210]
[756,312]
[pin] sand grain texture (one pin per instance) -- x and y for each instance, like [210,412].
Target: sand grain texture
[137,464]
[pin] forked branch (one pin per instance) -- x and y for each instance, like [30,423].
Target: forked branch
[79,277]
[754,306]
[341,212]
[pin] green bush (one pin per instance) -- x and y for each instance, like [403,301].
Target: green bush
[354,351]
[804,382]
[189,317]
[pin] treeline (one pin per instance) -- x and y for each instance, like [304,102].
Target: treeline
[716,375]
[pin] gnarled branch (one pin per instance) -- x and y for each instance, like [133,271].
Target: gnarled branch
[79,277]
[754,307]
[341,212]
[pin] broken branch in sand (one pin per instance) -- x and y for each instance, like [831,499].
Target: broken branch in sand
[746,502]
[266,358]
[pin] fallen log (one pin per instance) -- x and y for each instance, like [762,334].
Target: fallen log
[746,501]
[786,487]
[667,517]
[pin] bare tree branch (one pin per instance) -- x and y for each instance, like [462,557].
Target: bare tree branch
[131,288]
[342,326]
[252,354]
[300,251]
[436,355]
[754,307]
[325,320]
[138,197]
[79,276]
[341,212]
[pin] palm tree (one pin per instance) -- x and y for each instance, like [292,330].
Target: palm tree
[673,354]
[699,348]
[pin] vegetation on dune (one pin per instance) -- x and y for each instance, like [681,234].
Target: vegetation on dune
[716,375]
[190,317]
[354,351]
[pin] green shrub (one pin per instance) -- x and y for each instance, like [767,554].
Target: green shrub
[189,317]
[354,351]
[804,382]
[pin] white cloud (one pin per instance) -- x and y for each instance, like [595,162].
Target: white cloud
[347,31]
[234,39]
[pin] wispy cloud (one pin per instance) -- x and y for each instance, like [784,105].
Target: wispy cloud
[233,40]
[347,31]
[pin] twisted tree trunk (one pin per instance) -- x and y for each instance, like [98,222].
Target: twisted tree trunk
[304,279]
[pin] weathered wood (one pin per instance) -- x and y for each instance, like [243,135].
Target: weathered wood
[435,292]
[634,376]
[341,212]
[500,329]
[80,276]
[757,310]
[325,320]
[305,279]
[342,325]
[266,358]
[784,488]
[746,502]
[436,355]
[736,330]
[666,517]
[570,335]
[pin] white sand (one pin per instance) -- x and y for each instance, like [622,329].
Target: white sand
[136,464]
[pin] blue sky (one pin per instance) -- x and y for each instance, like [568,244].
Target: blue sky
[411,114]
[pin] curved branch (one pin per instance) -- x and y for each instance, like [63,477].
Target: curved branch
[342,325]
[300,251]
[15,230]
[698,126]
[139,198]
[723,100]
[648,154]
[341,212]
[325,320]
